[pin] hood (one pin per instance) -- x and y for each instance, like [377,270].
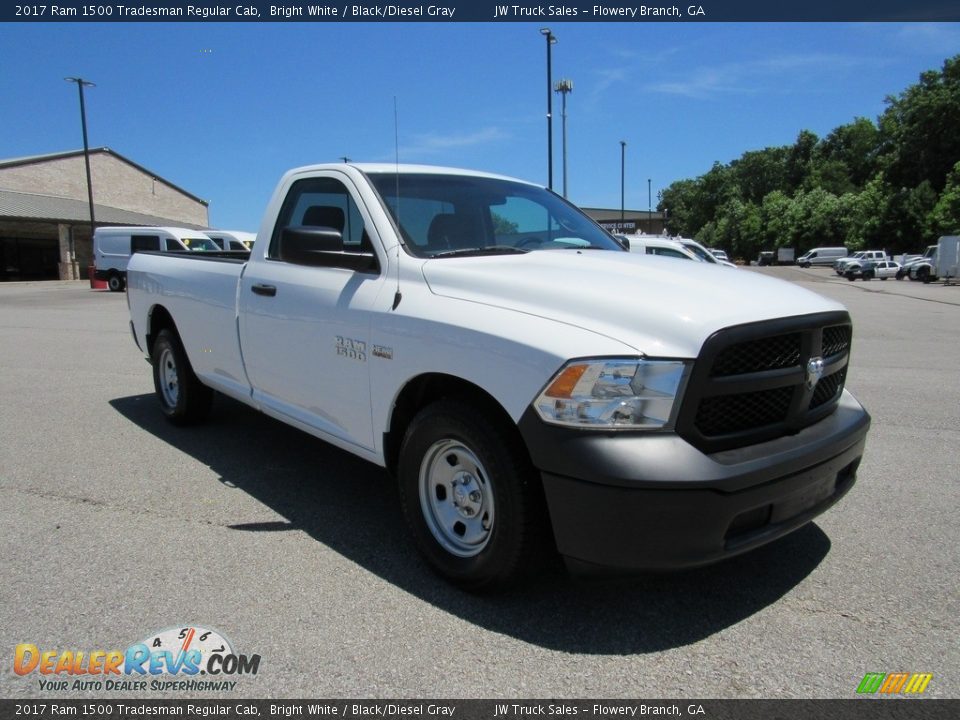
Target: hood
[659,306]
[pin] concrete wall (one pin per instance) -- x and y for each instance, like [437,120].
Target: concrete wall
[115,183]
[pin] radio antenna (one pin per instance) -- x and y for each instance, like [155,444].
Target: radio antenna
[397,296]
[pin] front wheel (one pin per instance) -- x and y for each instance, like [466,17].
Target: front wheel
[183,398]
[469,496]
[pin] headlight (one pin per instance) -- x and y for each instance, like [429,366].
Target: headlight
[626,394]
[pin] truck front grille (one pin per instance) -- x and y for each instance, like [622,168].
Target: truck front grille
[761,381]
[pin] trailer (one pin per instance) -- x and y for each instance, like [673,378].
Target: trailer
[948,248]
[785,256]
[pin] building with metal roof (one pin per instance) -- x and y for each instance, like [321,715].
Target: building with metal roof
[45,216]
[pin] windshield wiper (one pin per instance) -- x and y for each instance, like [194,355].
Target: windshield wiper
[478,251]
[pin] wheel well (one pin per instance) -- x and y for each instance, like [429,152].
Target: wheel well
[427,389]
[158,319]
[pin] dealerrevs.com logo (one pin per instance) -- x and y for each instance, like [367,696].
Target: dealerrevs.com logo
[894,683]
[185,658]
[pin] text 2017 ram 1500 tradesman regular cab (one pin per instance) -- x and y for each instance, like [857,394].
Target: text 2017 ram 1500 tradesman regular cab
[516,369]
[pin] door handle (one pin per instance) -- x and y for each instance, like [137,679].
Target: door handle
[267,290]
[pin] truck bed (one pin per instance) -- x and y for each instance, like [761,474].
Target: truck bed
[200,290]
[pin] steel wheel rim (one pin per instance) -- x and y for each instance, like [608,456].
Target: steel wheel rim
[169,378]
[456,498]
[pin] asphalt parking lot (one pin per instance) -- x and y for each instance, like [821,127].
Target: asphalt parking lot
[116,525]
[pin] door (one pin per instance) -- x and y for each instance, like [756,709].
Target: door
[305,330]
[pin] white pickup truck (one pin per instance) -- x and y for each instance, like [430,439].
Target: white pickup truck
[523,377]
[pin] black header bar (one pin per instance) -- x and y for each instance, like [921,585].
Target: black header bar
[122,709]
[485,11]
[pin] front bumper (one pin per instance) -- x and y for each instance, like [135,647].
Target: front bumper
[651,501]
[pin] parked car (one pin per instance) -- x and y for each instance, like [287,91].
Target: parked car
[840,265]
[531,385]
[701,252]
[660,246]
[821,256]
[939,262]
[870,269]
[720,254]
[232,240]
[907,265]
[112,247]
[765,257]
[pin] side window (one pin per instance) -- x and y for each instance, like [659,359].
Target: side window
[173,246]
[144,243]
[668,252]
[321,202]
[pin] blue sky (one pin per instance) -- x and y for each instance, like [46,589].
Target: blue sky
[224,109]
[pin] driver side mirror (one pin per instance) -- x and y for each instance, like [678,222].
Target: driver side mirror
[321,247]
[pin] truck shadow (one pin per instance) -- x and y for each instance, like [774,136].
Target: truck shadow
[351,506]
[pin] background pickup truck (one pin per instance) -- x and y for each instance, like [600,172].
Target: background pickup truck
[530,384]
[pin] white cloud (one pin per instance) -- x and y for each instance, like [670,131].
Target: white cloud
[427,144]
[752,77]
[935,38]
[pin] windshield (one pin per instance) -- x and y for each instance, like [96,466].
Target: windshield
[450,215]
[700,251]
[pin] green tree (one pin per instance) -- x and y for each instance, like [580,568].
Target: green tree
[774,220]
[798,160]
[944,219]
[920,129]
[678,201]
[760,172]
[855,147]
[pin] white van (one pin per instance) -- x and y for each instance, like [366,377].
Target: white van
[821,256]
[232,240]
[112,247]
[656,245]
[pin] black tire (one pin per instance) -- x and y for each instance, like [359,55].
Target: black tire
[923,274]
[900,274]
[850,277]
[883,278]
[183,398]
[115,283]
[470,496]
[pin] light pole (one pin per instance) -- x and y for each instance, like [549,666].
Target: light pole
[649,208]
[551,39]
[623,157]
[564,87]
[86,148]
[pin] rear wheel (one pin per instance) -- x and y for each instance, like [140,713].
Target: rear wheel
[183,398]
[469,495]
[115,282]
